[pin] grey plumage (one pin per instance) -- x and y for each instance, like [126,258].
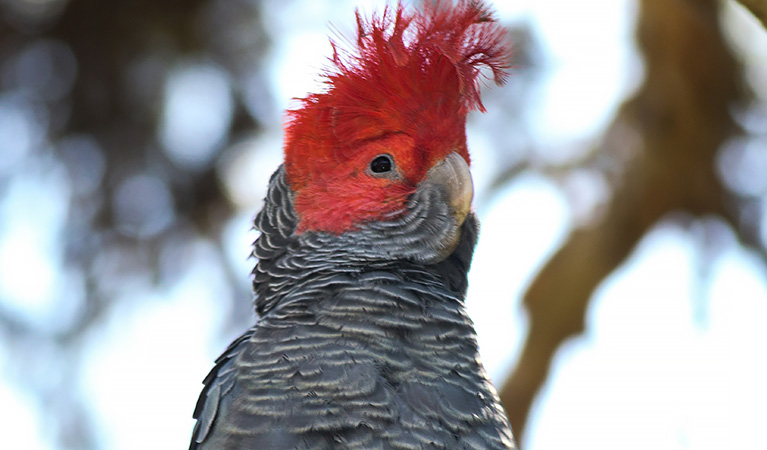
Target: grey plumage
[360,344]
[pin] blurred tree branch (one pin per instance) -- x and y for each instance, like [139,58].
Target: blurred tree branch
[758,8]
[671,130]
[122,54]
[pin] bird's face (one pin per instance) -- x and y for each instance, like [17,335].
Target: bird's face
[387,187]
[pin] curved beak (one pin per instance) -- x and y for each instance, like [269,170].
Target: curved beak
[452,173]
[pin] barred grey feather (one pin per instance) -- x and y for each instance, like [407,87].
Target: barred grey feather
[363,341]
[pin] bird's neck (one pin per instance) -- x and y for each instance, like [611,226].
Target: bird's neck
[299,272]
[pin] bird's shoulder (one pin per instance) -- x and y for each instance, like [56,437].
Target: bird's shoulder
[217,384]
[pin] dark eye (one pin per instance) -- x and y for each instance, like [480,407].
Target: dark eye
[381,164]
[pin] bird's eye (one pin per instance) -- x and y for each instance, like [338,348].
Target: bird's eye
[381,164]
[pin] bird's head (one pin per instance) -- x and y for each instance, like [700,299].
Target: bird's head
[392,123]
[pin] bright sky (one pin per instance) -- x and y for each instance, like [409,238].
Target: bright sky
[665,364]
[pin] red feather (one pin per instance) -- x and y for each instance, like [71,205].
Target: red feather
[412,73]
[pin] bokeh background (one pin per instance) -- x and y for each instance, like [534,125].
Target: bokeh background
[620,283]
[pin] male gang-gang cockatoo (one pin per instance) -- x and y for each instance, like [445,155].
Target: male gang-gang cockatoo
[367,235]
